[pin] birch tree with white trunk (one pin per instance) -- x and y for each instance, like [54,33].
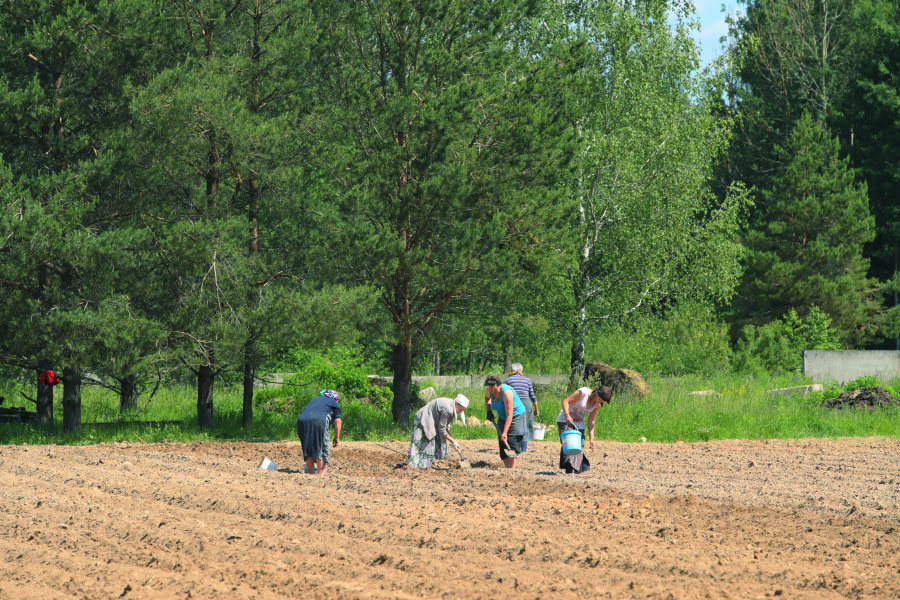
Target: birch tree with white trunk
[642,227]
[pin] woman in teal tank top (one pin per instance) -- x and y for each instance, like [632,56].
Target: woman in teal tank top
[510,422]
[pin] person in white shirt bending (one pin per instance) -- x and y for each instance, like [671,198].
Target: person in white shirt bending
[583,401]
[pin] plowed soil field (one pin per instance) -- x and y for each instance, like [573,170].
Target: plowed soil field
[746,519]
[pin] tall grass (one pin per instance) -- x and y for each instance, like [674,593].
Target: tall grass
[741,409]
[152,420]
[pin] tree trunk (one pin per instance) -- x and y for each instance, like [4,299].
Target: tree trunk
[71,398]
[580,281]
[253,218]
[249,376]
[400,407]
[897,296]
[205,397]
[579,330]
[44,397]
[128,393]
[507,351]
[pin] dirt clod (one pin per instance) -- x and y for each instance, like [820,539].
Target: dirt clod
[868,397]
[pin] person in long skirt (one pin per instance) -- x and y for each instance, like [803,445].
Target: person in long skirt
[583,401]
[313,426]
[431,431]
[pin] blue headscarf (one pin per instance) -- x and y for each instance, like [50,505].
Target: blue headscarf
[330,394]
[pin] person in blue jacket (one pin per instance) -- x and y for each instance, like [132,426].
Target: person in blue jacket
[313,430]
[510,421]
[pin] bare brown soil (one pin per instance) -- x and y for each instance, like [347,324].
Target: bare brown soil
[796,519]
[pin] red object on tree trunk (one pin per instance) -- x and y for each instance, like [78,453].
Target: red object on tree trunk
[48,377]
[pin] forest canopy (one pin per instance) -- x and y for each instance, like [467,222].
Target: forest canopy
[198,189]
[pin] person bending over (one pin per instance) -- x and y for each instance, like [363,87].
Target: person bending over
[431,431]
[510,421]
[583,401]
[313,430]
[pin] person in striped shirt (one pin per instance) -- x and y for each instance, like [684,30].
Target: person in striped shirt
[523,387]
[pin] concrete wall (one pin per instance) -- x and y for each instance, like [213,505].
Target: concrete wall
[823,366]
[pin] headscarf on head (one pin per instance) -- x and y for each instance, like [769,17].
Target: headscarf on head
[462,401]
[516,368]
[330,394]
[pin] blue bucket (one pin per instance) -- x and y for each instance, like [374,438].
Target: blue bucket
[571,442]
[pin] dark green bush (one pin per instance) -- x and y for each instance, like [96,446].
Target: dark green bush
[315,374]
[777,347]
[688,339]
[861,382]
[381,397]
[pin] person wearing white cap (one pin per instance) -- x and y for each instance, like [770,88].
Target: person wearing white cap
[431,431]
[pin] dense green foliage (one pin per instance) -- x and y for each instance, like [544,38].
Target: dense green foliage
[814,100]
[689,339]
[205,192]
[868,121]
[315,372]
[777,346]
[640,226]
[807,249]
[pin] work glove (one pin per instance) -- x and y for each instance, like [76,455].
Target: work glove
[455,445]
[490,415]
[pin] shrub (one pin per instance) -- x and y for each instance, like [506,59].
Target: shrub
[298,358]
[861,382]
[288,397]
[688,339]
[777,347]
[350,382]
[381,397]
[831,390]
[315,374]
[415,395]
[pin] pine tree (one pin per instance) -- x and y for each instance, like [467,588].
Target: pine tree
[63,69]
[435,123]
[870,131]
[808,249]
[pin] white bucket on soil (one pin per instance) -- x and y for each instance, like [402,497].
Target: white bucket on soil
[267,465]
[539,430]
